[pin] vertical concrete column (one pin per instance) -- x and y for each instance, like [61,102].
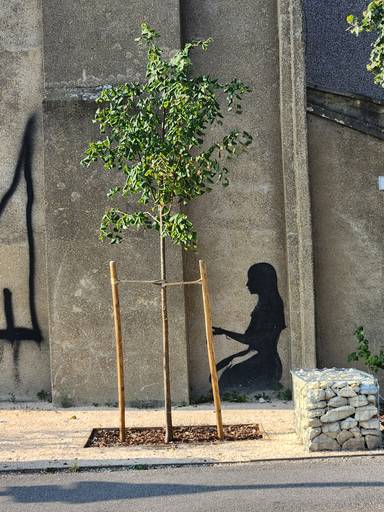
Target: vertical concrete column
[24,349]
[296,184]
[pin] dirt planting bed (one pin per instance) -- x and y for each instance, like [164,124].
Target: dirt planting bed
[107,437]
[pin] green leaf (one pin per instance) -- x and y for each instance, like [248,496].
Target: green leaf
[113,191]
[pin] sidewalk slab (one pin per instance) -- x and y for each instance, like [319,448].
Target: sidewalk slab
[35,437]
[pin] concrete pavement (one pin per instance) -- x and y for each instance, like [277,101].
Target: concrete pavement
[338,484]
[38,436]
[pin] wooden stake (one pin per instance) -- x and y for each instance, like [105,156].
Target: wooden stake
[119,346]
[211,350]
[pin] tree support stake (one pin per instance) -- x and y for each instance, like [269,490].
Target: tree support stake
[119,347]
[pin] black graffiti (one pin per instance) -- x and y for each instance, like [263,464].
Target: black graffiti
[259,366]
[12,333]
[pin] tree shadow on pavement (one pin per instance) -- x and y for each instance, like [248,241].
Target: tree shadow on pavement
[94,491]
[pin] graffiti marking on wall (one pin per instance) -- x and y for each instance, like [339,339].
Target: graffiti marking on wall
[12,333]
[259,366]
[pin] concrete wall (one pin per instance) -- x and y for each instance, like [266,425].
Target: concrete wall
[348,219]
[263,217]
[24,349]
[243,224]
[238,227]
[88,44]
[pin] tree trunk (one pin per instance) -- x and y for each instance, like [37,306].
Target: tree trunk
[164,315]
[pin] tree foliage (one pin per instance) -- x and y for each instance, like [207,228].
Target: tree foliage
[153,133]
[372,20]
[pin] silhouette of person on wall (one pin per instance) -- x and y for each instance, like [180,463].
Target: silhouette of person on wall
[259,366]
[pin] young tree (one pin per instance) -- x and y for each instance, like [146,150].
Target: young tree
[154,136]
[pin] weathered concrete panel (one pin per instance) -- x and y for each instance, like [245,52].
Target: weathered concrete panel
[348,219]
[24,353]
[91,42]
[81,326]
[243,224]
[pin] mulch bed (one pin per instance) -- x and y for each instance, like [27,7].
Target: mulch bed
[108,437]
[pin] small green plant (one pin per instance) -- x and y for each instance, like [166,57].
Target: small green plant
[227,396]
[234,396]
[44,396]
[284,394]
[74,467]
[12,397]
[363,353]
[140,467]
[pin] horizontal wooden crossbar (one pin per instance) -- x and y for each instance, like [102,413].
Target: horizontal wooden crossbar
[159,282]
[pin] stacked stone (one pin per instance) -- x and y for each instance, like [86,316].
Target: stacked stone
[336,409]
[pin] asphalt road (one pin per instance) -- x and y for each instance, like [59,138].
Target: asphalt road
[333,485]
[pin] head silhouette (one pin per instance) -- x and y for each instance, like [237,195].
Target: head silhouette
[262,279]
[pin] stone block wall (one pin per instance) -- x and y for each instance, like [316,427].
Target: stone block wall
[336,409]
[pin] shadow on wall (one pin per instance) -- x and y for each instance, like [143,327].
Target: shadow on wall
[11,333]
[259,366]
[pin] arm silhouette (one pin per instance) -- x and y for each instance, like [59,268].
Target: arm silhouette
[253,336]
[237,336]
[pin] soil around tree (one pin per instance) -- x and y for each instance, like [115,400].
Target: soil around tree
[109,437]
